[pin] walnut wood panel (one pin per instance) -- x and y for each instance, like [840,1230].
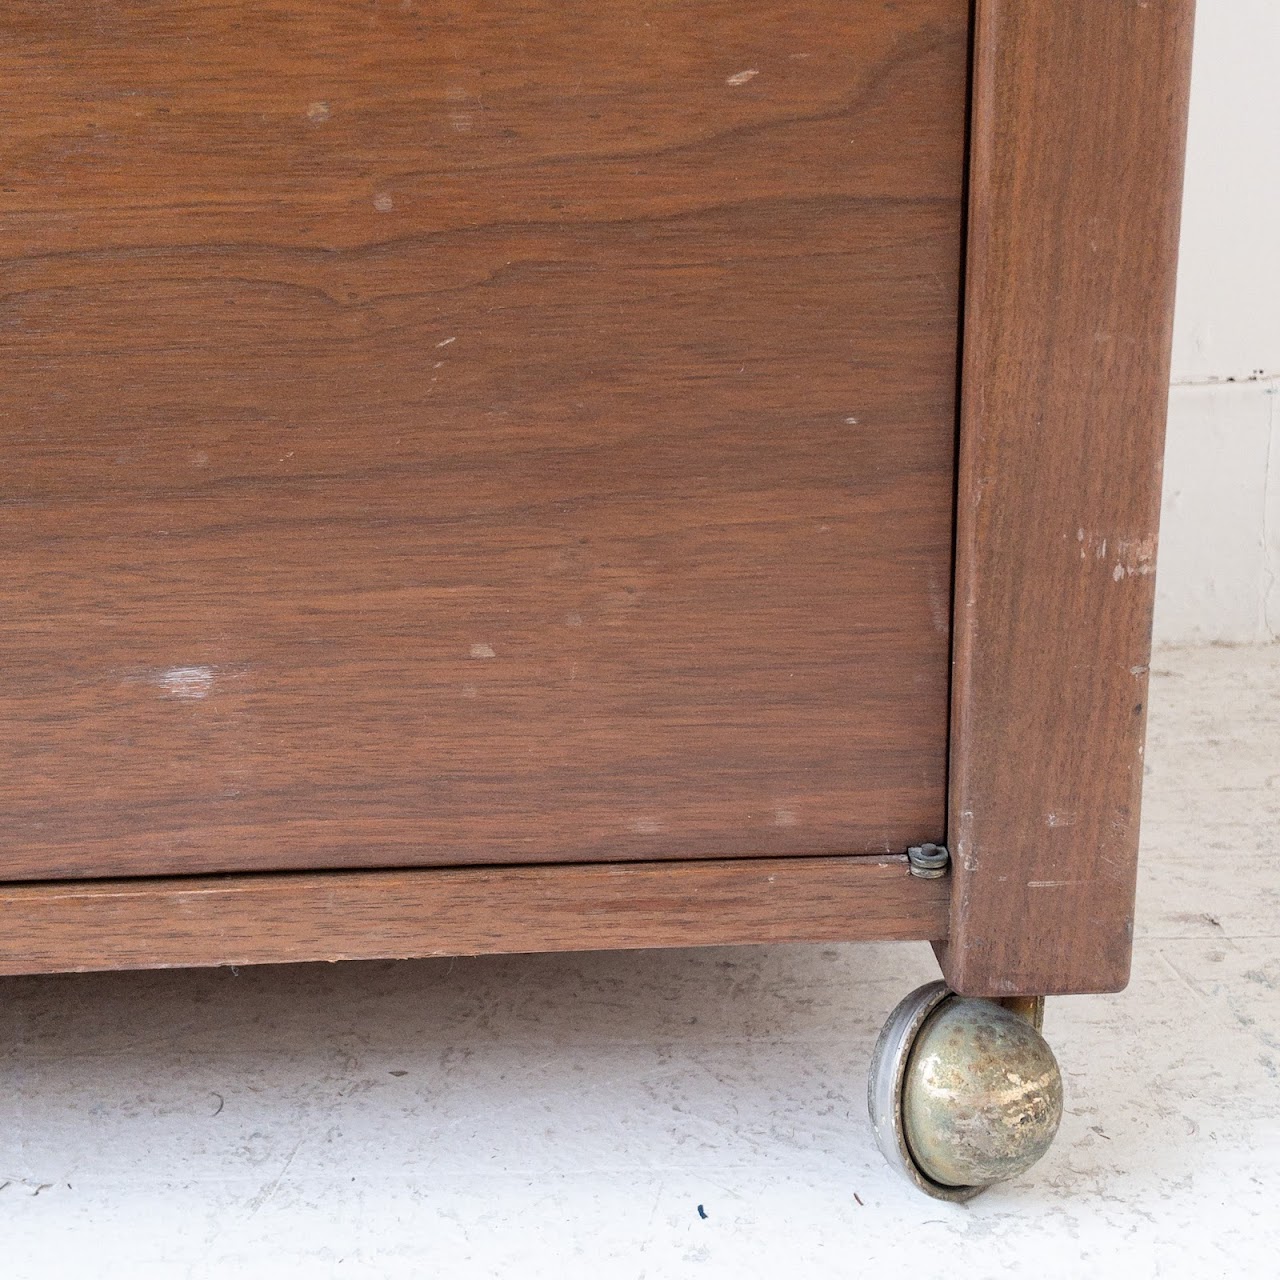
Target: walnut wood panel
[475,433]
[1077,138]
[361,915]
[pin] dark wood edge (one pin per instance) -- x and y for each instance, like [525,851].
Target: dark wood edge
[1077,136]
[364,915]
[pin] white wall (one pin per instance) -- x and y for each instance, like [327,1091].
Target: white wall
[1219,572]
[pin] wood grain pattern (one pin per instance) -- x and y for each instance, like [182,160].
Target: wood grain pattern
[474,434]
[362,915]
[1075,174]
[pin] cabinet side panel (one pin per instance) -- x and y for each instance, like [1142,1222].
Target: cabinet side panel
[1078,127]
[475,434]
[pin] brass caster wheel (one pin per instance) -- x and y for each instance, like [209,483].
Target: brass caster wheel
[963,1093]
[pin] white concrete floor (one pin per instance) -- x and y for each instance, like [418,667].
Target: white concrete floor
[566,1116]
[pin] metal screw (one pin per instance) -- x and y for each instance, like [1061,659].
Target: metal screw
[928,861]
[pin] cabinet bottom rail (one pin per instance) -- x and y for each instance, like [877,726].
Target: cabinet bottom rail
[77,926]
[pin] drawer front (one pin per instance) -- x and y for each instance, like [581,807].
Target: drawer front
[447,434]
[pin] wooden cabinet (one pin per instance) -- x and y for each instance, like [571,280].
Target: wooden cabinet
[517,476]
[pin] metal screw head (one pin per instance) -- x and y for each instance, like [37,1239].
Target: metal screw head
[928,861]
[981,1095]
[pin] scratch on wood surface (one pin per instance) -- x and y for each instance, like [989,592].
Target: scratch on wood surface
[1137,558]
[186,682]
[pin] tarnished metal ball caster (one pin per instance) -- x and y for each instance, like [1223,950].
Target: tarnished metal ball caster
[963,1093]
